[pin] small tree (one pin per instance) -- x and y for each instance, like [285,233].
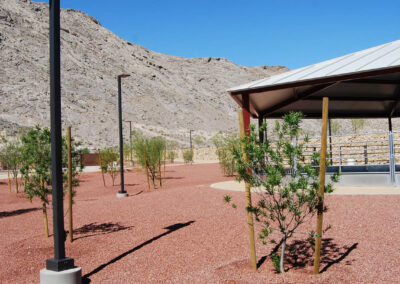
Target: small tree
[188,156]
[225,146]
[108,163]
[335,124]
[289,183]
[199,140]
[357,125]
[149,152]
[35,167]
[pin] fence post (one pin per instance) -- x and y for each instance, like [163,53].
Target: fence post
[340,156]
[366,156]
[392,167]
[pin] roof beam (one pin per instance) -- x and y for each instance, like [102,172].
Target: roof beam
[396,103]
[373,81]
[358,99]
[323,80]
[296,97]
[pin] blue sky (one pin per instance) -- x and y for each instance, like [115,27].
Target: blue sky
[293,33]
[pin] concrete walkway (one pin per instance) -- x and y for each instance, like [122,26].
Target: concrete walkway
[339,190]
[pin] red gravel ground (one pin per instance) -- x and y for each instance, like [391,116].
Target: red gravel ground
[185,233]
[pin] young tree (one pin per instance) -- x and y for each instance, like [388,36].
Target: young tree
[357,125]
[35,167]
[289,183]
[335,127]
[225,146]
[188,156]
[109,163]
[149,152]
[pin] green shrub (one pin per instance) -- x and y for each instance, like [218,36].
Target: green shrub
[149,152]
[288,183]
[171,155]
[108,159]
[188,156]
[225,146]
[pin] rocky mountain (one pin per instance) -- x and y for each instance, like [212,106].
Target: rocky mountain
[165,95]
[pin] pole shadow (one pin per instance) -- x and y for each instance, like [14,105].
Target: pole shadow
[94,229]
[172,228]
[5,214]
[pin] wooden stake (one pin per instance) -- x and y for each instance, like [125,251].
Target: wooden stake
[9,180]
[146,168]
[250,221]
[322,166]
[71,237]
[46,227]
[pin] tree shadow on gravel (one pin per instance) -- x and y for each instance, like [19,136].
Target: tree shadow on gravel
[172,228]
[94,229]
[5,214]
[300,253]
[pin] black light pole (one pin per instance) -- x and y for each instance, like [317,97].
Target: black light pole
[122,192]
[190,133]
[130,139]
[60,262]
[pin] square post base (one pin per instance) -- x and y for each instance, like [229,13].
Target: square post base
[122,194]
[69,276]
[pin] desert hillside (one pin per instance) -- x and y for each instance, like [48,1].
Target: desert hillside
[165,94]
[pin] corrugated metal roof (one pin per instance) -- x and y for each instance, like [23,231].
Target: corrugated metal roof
[380,57]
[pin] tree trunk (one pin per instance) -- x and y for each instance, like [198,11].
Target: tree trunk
[16,179]
[281,268]
[159,168]
[9,180]
[46,228]
[102,175]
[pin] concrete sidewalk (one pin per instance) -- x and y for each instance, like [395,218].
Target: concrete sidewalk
[339,190]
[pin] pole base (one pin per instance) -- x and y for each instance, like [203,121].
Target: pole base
[122,194]
[69,276]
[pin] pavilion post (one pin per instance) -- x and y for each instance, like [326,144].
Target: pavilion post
[260,132]
[321,189]
[244,123]
[392,163]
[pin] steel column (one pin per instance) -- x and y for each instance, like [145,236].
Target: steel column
[121,139]
[59,262]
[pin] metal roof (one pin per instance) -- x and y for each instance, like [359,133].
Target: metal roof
[361,84]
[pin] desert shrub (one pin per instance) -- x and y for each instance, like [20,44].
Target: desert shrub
[149,152]
[357,125]
[188,156]
[225,146]
[36,166]
[10,158]
[335,125]
[108,159]
[171,155]
[199,140]
[288,183]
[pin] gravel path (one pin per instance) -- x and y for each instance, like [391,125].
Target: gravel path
[185,233]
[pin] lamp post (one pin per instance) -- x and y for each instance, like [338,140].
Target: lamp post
[130,141]
[190,134]
[122,192]
[59,268]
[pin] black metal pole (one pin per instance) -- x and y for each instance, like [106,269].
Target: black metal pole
[190,133]
[59,262]
[130,138]
[390,123]
[121,140]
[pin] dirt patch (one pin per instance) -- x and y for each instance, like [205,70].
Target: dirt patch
[185,233]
